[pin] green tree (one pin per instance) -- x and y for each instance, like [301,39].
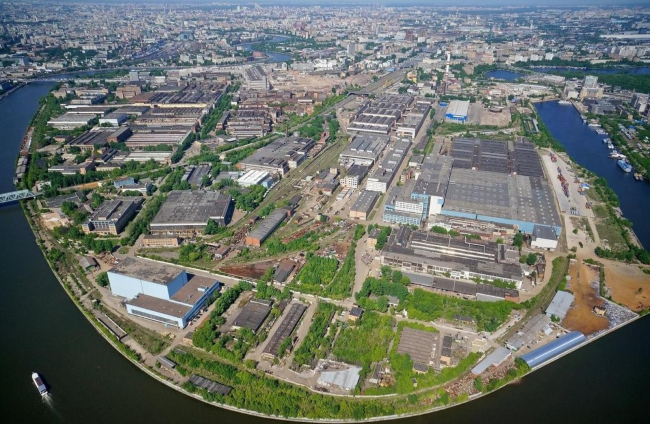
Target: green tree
[102,279]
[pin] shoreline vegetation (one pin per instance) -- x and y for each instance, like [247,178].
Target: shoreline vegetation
[271,397]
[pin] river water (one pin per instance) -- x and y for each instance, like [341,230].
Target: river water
[274,57]
[585,146]
[90,382]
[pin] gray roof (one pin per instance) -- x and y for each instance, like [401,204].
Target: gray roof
[553,349]
[560,304]
[268,225]
[495,358]
[346,379]
[147,271]
[544,232]
[192,208]
[365,202]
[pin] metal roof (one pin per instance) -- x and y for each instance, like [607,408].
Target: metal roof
[560,304]
[346,379]
[549,351]
[495,358]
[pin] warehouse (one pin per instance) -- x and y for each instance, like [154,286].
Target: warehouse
[288,324]
[244,123]
[431,186]
[494,359]
[560,305]
[363,150]
[400,208]
[430,253]
[186,213]
[501,198]
[160,292]
[379,116]
[544,238]
[265,228]
[364,205]
[384,175]
[70,121]
[90,140]
[255,178]
[418,344]
[553,349]
[114,119]
[345,379]
[142,137]
[457,111]
[279,156]
[112,216]
[413,121]
[253,314]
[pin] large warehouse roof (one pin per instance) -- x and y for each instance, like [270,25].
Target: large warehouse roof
[191,208]
[549,351]
[458,108]
[147,271]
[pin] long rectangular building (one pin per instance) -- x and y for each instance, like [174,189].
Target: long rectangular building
[266,228]
[112,216]
[431,253]
[364,149]
[279,156]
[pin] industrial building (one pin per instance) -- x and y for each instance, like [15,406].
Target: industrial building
[150,240]
[364,205]
[412,123]
[457,111]
[186,213]
[90,140]
[379,116]
[432,253]
[70,121]
[254,177]
[114,119]
[401,208]
[557,347]
[256,78]
[517,200]
[384,175]
[364,149]
[482,292]
[111,217]
[544,238]
[494,359]
[279,156]
[288,324]
[265,228]
[195,174]
[418,344]
[560,305]
[252,315]
[160,292]
[152,137]
[245,123]
[354,176]
[345,379]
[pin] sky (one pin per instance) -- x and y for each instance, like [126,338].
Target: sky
[393,3]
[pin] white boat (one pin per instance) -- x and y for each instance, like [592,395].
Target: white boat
[564,102]
[610,146]
[38,382]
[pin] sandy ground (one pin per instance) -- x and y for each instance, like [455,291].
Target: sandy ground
[624,282]
[501,119]
[322,83]
[581,316]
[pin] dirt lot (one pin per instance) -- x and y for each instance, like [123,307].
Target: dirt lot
[581,316]
[324,82]
[624,282]
[501,119]
[248,271]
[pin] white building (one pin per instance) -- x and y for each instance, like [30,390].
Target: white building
[544,238]
[159,292]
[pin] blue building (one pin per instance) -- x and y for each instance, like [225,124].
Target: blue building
[160,292]
[457,111]
[553,349]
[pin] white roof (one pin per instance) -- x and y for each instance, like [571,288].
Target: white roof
[495,358]
[252,177]
[458,107]
[560,304]
[346,379]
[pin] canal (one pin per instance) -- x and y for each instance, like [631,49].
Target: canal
[90,381]
[585,146]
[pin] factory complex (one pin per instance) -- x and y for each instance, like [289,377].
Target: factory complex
[159,292]
[186,213]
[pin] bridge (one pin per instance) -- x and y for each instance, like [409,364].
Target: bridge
[15,196]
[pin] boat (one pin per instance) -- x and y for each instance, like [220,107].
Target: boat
[564,102]
[610,146]
[616,155]
[638,176]
[624,165]
[606,140]
[38,382]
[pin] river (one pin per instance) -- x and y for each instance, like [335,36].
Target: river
[586,147]
[273,57]
[90,381]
